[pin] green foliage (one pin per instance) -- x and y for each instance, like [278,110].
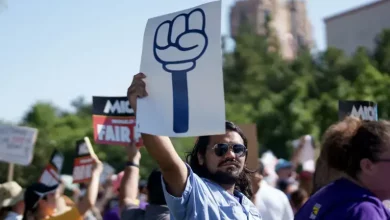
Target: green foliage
[286,99]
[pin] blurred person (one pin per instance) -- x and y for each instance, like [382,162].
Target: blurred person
[285,170]
[157,208]
[41,200]
[11,201]
[272,203]
[361,150]
[306,181]
[143,194]
[298,198]
[287,186]
[214,184]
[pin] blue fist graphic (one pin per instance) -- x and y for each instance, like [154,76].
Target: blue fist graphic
[178,44]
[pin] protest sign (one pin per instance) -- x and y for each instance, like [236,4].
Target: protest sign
[17,144]
[307,154]
[83,162]
[114,121]
[365,110]
[182,61]
[250,132]
[51,174]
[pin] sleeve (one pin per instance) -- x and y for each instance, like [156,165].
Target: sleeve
[132,212]
[193,198]
[366,210]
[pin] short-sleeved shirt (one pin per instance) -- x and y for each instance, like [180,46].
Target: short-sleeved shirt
[151,212]
[204,199]
[343,199]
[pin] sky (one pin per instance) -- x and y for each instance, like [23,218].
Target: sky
[58,50]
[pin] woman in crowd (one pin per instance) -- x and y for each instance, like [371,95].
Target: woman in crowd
[360,150]
[11,201]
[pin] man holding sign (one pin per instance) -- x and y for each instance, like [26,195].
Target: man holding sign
[215,184]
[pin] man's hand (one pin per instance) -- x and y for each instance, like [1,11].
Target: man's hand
[133,153]
[136,89]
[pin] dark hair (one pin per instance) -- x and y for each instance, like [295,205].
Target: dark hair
[346,143]
[155,190]
[298,198]
[283,184]
[243,183]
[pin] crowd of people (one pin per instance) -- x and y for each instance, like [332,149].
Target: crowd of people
[213,182]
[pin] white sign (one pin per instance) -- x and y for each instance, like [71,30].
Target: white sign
[17,144]
[182,60]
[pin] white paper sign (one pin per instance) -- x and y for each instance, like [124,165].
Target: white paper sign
[17,144]
[182,60]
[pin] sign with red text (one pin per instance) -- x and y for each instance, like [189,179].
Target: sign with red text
[51,173]
[17,144]
[114,121]
[83,162]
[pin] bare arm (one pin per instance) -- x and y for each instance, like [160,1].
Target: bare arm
[173,169]
[160,148]
[92,191]
[129,184]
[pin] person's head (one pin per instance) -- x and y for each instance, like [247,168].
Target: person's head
[284,169]
[362,151]
[155,189]
[40,200]
[11,197]
[221,158]
[306,180]
[298,198]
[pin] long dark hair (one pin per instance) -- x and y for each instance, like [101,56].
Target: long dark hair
[243,183]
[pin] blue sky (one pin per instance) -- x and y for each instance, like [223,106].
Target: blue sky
[58,50]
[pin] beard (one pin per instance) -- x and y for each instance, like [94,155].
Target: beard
[222,177]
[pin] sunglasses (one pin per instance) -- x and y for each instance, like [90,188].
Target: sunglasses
[221,149]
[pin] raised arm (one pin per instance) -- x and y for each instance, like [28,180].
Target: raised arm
[92,191]
[160,148]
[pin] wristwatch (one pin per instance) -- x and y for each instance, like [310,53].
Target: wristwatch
[129,164]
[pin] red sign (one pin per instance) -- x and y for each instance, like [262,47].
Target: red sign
[82,169]
[114,130]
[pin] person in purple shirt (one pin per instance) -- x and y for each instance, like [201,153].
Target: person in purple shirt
[361,151]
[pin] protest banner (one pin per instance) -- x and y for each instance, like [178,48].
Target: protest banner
[83,162]
[17,144]
[114,121]
[250,132]
[365,110]
[51,174]
[182,61]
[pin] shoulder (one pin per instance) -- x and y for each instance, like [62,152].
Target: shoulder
[367,210]
[132,213]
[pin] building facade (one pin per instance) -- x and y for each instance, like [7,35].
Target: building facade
[288,19]
[358,27]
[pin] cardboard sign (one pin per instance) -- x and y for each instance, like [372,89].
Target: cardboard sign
[51,174]
[250,132]
[17,144]
[83,163]
[114,121]
[181,58]
[365,110]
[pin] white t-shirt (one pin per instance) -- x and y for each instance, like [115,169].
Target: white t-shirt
[273,204]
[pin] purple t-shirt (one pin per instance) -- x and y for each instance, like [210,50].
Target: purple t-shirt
[343,199]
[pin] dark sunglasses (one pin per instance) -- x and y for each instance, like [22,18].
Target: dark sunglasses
[221,149]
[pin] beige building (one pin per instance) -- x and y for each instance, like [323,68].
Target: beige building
[289,20]
[358,27]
